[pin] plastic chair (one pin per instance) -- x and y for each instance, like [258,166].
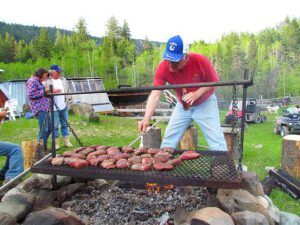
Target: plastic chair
[13,111]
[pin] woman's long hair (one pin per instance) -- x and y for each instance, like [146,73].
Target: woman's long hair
[40,72]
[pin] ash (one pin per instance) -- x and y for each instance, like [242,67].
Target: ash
[130,206]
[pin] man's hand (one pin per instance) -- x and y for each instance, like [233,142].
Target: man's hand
[190,97]
[142,125]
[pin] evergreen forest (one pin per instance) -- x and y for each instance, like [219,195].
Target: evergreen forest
[273,54]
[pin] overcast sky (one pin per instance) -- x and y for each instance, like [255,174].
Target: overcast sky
[156,19]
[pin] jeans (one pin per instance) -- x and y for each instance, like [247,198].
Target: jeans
[44,126]
[14,164]
[61,116]
[206,115]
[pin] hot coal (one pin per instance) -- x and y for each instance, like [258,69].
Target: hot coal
[130,206]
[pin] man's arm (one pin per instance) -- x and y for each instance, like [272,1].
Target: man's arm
[152,102]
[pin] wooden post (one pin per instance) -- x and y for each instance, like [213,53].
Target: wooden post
[290,155]
[189,139]
[232,140]
[28,149]
[152,139]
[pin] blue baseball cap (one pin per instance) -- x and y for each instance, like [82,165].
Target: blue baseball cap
[56,68]
[175,49]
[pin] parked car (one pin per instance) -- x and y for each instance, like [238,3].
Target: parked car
[289,123]
[252,112]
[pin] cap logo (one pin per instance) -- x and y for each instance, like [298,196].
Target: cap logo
[172,46]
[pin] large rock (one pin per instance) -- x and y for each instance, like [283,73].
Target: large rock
[274,213]
[37,181]
[210,216]
[52,216]
[289,219]
[81,109]
[44,199]
[94,117]
[18,206]
[251,183]
[7,219]
[67,191]
[238,200]
[11,192]
[249,218]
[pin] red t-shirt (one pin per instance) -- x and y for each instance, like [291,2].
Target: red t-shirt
[198,69]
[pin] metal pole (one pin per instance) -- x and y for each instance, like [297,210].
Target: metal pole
[11,182]
[246,72]
[162,87]
[53,151]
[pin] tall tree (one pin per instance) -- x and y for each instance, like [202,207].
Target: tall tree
[43,44]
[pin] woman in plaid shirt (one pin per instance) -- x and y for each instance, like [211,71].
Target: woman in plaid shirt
[39,103]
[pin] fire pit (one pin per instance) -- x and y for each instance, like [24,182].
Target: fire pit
[128,206]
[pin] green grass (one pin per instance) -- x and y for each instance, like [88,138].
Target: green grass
[262,148]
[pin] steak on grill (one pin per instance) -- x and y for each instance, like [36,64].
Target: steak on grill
[57,161]
[148,161]
[153,151]
[141,167]
[127,149]
[121,156]
[187,155]
[109,164]
[163,166]
[122,164]
[79,163]
[175,162]
[78,156]
[135,159]
[140,151]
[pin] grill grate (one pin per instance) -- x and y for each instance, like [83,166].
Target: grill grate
[212,169]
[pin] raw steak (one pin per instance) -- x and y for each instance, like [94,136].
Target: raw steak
[163,166]
[121,156]
[127,149]
[175,162]
[109,164]
[135,159]
[122,164]
[187,155]
[141,167]
[153,151]
[79,163]
[140,151]
[148,161]
[57,161]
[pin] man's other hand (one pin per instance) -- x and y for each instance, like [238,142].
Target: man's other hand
[142,125]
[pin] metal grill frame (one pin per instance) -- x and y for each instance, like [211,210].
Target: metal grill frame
[161,177]
[212,169]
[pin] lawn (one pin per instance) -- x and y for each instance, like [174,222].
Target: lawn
[262,148]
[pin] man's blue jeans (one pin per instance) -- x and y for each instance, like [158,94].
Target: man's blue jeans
[62,117]
[14,164]
[44,126]
[206,115]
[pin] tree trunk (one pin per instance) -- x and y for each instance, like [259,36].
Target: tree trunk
[189,139]
[152,139]
[290,155]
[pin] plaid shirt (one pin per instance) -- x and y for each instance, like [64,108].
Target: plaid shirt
[35,91]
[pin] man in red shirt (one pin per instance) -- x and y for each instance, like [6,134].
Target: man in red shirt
[198,104]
